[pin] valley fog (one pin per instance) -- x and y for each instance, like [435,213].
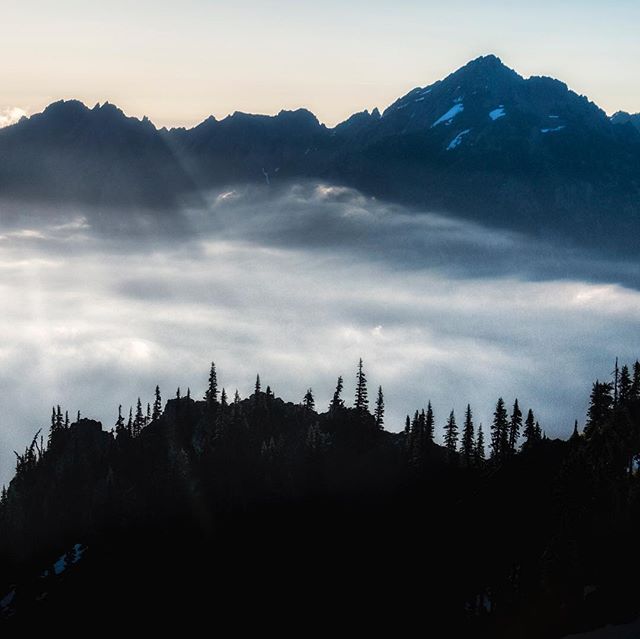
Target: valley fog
[296,283]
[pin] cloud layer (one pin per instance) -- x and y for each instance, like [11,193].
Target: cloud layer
[297,284]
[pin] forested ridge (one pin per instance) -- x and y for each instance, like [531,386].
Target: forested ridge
[207,509]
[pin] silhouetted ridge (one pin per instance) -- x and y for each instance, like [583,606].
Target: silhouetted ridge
[179,510]
[483,143]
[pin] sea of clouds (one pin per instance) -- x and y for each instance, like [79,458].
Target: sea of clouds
[296,283]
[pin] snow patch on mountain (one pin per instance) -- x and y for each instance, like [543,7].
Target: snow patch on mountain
[455,143]
[498,113]
[449,115]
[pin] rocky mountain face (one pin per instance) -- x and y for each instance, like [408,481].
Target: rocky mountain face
[484,143]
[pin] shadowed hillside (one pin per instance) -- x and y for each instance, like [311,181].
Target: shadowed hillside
[217,508]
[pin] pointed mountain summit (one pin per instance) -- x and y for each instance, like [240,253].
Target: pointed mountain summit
[484,143]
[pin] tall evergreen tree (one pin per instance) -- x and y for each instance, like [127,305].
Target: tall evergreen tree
[600,407]
[138,422]
[451,433]
[515,425]
[530,433]
[257,388]
[361,400]
[211,396]
[635,385]
[467,441]
[157,405]
[53,428]
[479,453]
[379,412]
[625,385]
[407,425]
[337,401]
[66,419]
[130,422]
[119,421]
[236,397]
[178,393]
[429,424]
[308,402]
[147,419]
[499,431]
[223,398]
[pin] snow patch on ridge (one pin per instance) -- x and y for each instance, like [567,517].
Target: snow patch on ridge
[449,115]
[455,143]
[498,113]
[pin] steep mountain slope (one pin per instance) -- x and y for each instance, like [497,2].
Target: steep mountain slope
[70,153]
[483,143]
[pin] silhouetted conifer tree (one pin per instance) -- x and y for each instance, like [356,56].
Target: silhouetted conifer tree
[157,405]
[119,421]
[530,433]
[515,425]
[407,425]
[451,433]
[600,407]
[467,440]
[138,421]
[575,436]
[147,419]
[308,402]
[211,396]
[625,385]
[635,385]
[130,422]
[337,401]
[479,453]
[379,412]
[429,424]
[257,388]
[178,393]
[361,399]
[499,431]
[236,397]
[66,419]
[223,398]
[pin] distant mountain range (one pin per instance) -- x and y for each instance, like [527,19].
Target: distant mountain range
[484,143]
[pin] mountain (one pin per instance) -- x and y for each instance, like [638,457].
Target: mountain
[70,153]
[622,117]
[484,143]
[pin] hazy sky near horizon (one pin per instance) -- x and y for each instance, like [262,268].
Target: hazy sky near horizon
[178,62]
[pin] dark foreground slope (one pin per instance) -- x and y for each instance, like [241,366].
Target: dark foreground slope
[268,513]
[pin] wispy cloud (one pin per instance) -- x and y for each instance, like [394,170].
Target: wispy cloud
[10,115]
[297,283]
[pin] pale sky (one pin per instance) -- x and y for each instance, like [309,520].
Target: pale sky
[178,62]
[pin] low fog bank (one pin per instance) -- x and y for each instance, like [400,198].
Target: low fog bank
[297,283]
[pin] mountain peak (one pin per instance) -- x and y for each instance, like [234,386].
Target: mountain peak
[486,67]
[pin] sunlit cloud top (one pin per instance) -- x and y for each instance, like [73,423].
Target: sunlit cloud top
[10,115]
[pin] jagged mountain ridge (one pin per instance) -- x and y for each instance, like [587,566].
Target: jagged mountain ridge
[483,143]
